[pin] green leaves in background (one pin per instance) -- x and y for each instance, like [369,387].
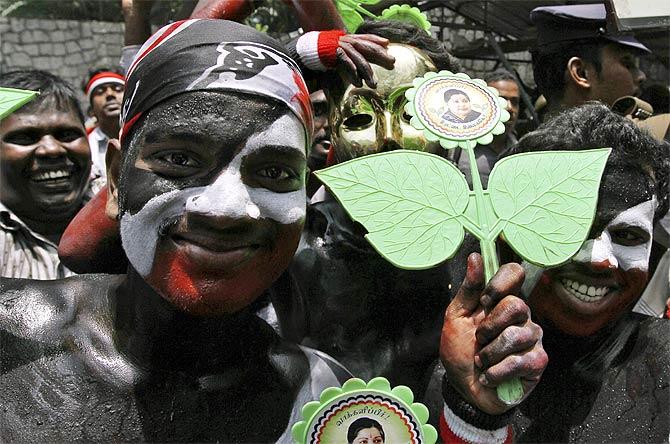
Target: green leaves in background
[12,99]
[408,201]
[547,201]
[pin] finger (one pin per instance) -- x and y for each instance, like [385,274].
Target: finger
[467,297]
[374,53]
[362,66]
[506,281]
[527,366]
[369,37]
[514,339]
[347,68]
[510,311]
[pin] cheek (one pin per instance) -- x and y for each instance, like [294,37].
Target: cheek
[634,257]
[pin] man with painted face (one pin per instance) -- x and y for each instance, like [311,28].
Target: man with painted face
[608,366]
[208,182]
[353,304]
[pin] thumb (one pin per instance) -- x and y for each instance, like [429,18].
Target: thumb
[467,297]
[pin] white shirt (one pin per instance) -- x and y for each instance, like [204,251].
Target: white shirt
[98,142]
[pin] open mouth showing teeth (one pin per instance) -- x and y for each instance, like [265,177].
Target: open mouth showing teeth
[583,292]
[51,175]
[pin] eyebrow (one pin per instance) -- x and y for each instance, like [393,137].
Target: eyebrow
[280,149]
[156,135]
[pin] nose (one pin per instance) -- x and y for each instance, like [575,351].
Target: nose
[639,76]
[226,197]
[387,141]
[598,253]
[49,146]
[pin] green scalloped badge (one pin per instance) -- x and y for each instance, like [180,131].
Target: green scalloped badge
[455,109]
[373,409]
[408,14]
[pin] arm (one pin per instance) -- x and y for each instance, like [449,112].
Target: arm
[488,337]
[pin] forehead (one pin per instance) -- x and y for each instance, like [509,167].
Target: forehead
[39,117]
[506,88]
[621,188]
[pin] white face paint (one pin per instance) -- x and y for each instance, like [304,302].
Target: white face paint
[228,196]
[626,257]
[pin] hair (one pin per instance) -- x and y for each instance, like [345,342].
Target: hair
[97,70]
[594,125]
[54,92]
[500,75]
[408,34]
[360,424]
[549,63]
[448,94]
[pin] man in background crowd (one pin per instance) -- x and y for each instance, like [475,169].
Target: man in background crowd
[104,89]
[44,175]
[578,59]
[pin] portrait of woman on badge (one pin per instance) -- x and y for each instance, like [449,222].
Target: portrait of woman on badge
[459,107]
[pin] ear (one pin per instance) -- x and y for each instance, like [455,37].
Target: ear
[113,163]
[579,73]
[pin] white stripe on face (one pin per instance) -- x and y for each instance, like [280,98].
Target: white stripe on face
[622,256]
[228,196]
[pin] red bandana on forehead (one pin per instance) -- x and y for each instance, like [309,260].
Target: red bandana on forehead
[204,55]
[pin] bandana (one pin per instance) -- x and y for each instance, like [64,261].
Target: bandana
[218,55]
[102,78]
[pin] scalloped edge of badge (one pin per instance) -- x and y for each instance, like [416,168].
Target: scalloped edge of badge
[380,385]
[482,139]
[416,17]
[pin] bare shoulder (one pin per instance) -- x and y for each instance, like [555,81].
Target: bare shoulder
[41,310]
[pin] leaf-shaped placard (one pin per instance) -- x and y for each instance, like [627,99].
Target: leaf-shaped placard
[547,201]
[410,202]
[12,99]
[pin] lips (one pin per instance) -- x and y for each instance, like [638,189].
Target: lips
[43,176]
[210,251]
[586,293]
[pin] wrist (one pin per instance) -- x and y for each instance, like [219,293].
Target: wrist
[471,414]
[317,50]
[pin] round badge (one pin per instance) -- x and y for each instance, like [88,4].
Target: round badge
[454,109]
[360,412]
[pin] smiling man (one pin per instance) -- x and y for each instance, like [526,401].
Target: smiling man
[44,169]
[607,365]
[208,182]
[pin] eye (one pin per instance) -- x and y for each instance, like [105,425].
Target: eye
[22,138]
[629,236]
[180,159]
[276,173]
[68,135]
[357,121]
[119,88]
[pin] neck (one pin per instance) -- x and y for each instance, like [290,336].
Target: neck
[110,127]
[153,333]
[52,229]
[570,99]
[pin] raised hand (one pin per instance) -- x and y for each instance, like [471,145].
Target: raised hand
[488,337]
[356,52]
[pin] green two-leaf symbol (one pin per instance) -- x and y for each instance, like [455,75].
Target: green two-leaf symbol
[12,99]
[410,203]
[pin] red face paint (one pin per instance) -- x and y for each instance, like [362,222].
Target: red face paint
[212,292]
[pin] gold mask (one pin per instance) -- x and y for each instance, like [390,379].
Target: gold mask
[367,121]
